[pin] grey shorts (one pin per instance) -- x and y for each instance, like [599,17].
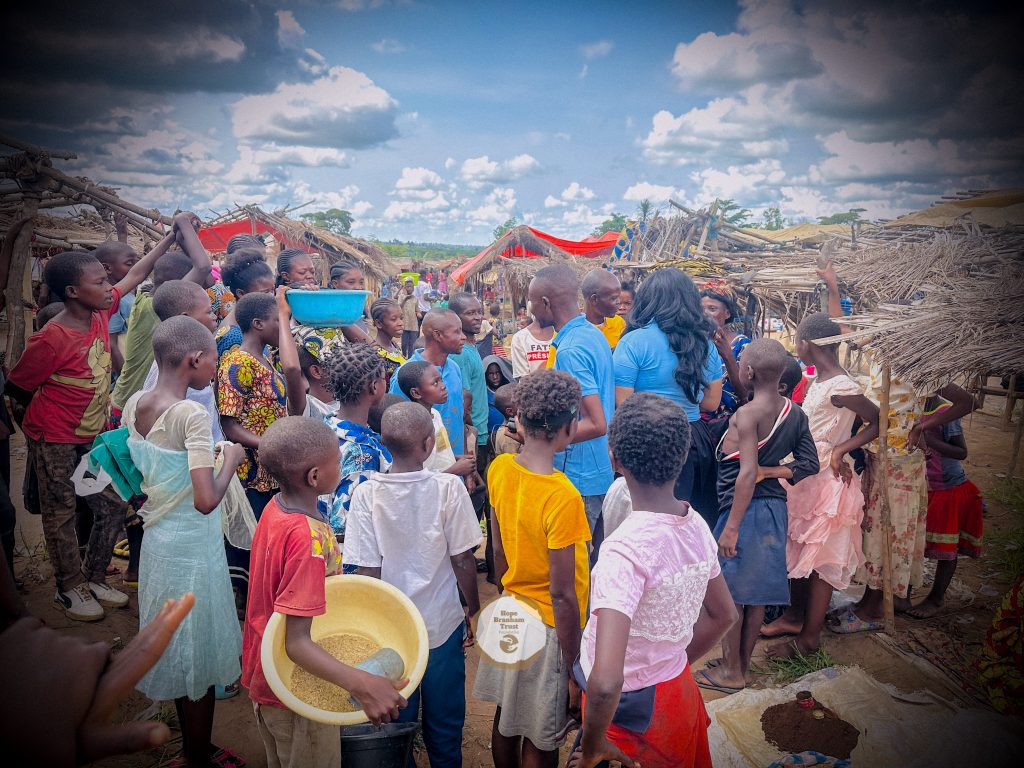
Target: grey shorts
[534,699]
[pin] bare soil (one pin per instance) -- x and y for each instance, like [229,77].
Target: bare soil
[234,728]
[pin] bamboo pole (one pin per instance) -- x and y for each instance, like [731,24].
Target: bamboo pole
[1018,433]
[886,516]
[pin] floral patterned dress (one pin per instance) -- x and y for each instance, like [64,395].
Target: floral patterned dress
[255,395]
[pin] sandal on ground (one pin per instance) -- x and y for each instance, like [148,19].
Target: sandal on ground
[703,680]
[849,623]
[225,758]
[222,692]
[130,579]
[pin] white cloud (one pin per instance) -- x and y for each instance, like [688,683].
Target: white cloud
[310,157]
[553,202]
[388,45]
[478,171]
[344,109]
[449,163]
[360,208]
[498,205]
[656,193]
[745,184]
[724,61]
[597,50]
[576,191]
[204,45]
[289,32]
[418,179]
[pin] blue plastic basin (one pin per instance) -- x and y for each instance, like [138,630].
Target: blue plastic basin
[327,308]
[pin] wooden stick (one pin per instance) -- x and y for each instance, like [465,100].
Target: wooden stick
[1011,400]
[32,149]
[1018,433]
[18,316]
[883,479]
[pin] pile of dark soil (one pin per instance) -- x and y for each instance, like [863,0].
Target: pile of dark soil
[794,729]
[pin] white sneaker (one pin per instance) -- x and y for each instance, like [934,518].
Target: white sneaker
[108,596]
[79,604]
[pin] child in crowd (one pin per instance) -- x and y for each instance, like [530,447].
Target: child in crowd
[955,508]
[192,263]
[63,381]
[751,529]
[657,600]
[171,443]
[505,438]
[376,413]
[421,382]
[293,551]
[790,380]
[384,510]
[627,294]
[409,303]
[251,395]
[529,346]
[497,373]
[117,258]
[388,325]
[309,392]
[540,535]
[825,510]
[245,271]
[356,374]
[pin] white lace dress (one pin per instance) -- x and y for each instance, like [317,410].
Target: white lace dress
[654,568]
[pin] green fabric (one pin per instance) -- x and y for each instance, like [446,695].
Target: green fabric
[473,381]
[138,350]
[110,452]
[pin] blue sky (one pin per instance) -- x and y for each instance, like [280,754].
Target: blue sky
[439,120]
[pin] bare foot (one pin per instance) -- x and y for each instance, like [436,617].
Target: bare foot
[901,604]
[788,650]
[780,628]
[925,610]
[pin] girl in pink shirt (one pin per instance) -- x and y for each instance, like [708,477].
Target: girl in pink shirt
[654,575]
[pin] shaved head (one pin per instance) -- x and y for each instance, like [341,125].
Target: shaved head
[554,291]
[442,329]
[596,279]
[405,427]
[600,294]
[768,359]
[439,320]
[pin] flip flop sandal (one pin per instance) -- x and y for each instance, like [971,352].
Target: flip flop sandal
[849,624]
[703,681]
[112,571]
[224,758]
[121,548]
[222,692]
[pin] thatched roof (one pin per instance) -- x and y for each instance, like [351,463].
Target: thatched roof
[329,245]
[85,229]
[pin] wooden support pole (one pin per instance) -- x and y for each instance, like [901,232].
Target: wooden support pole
[1015,452]
[886,515]
[1011,400]
[21,251]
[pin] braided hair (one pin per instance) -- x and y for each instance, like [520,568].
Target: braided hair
[238,242]
[381,307]
[546,401]
[350,369]
[669,299]
[343,266]
[284,263]
[244,267]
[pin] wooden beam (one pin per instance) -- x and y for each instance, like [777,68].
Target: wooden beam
[1011,400]
[1015,452]
[17,314]
[32,149]
[143,216]
[886,514]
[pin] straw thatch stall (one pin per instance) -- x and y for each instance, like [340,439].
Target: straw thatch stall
[292,233]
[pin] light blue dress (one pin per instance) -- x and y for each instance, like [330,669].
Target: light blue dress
[183,551]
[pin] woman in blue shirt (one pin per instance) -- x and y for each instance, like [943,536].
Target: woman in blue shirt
[667,349]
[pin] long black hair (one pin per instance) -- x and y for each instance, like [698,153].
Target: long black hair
[670,299]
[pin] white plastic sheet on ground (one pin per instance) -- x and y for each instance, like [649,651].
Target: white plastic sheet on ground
[916,730]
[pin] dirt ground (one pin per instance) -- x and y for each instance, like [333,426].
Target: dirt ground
[978,589]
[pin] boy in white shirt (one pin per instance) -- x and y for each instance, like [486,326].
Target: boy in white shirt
[434,509]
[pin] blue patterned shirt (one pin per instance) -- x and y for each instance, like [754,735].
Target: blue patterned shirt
[361,453]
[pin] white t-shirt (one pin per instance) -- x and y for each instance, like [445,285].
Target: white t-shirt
[318,409]
[655,569]
[616,506]
[442,456]
[205,397]
[528,353]
[409,525]
[421,291]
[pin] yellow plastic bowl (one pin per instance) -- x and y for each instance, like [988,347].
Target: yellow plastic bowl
[357,605]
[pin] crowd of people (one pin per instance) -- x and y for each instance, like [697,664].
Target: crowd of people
[650,480]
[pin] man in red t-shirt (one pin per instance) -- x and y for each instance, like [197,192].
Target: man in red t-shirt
[63,382]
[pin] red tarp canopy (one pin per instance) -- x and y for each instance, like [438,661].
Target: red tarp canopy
[586,247]
[215,238]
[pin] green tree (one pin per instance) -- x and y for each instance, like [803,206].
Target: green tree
[644,209]
[333,220]
[501,229]
[731,212]
[614,223]
[772,218]
[851,217]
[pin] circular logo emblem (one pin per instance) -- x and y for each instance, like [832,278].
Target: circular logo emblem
[510,631]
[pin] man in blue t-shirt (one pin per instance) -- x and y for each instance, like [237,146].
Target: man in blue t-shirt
[583,352]
[443,336]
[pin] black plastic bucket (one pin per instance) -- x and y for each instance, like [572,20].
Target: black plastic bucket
[367,746]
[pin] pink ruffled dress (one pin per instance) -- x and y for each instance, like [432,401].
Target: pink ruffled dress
[825,513]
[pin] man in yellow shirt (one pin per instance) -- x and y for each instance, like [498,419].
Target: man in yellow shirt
[601,303]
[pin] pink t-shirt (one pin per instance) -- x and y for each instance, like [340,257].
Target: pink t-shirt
[654,568]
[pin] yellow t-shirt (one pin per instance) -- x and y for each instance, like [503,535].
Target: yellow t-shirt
[612,328]
[537,513]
